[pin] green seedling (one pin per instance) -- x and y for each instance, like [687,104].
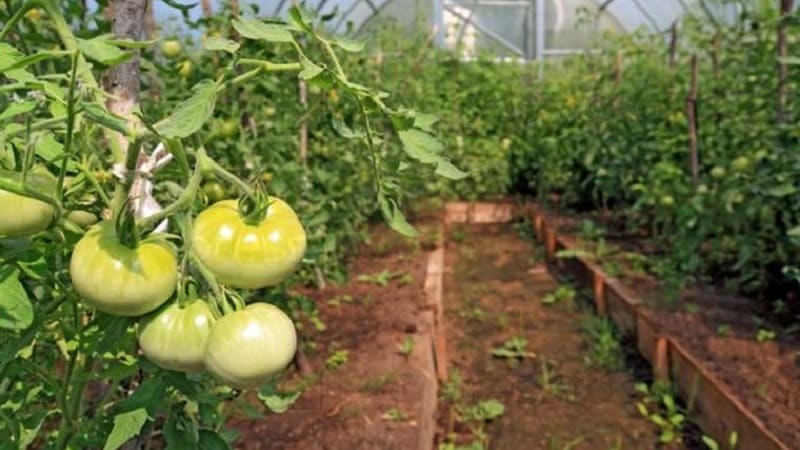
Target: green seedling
[383,277]
[604,348]
[407,346]
[765,335]
[564,294]
[337,359]
[394,414]
[513,350]
[658,405]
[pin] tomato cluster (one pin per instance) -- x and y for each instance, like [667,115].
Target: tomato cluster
[242,348]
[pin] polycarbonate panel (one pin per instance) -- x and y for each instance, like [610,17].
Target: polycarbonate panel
[574,24]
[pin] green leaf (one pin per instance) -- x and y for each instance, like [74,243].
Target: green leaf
[20,63]
[425,122]
[446,169]
[211,440]
[126,426]
[100,115]
[420,145]
[710,443]
[310,70]
[275,401]
[350,45]
[300,19]
[221,44]
[17,108]
[99,49]
[16,311]
[128,43]
[256,29]
[395,218]
[782,190]
[343,130]
[51,150]
[192,113]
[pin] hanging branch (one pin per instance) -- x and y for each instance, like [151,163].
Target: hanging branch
[783,52]
[691,114]
[673,44]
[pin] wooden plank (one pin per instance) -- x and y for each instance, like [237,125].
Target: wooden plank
[717,412]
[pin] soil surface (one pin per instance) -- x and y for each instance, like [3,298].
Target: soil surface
[722,330]
[494,284]
[373,399]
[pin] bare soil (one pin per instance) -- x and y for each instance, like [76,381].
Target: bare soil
[346,407]
[494,283]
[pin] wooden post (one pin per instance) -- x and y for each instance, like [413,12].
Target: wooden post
[302,89]
[691,115]
[673,44]
[205,5]
[783,52]
[127,22]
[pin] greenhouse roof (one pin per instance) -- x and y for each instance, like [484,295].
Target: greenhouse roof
[522,28]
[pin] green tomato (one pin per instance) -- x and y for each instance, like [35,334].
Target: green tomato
[24,216]
[269,111]
[174,338]
[171,48]
[186,68]
[667,200]
[702,189]
[248,347]
[215,191]
[120,280]
[229,128]
[718,172]
[249,256]
[83,219]
[740,164]
[762,155]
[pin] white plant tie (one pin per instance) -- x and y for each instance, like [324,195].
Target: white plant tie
[143,202]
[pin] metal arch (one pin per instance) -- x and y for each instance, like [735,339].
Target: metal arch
[375,12]
[651,19]
[278,8]
[486,31]
[350,10]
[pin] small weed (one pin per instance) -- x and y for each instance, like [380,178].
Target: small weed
[564,294]
[765,335]
[457,235]
[470,311]
[556,443]
[733,442]
[549,382]
[377,383]
[407,346]
[383,277]
[340,299]
[603,340]
[503,320]
[591,231]
[724,330]
[524,229]
[394,414]
[513,350]
[658,405]
[337,359]
[612,268]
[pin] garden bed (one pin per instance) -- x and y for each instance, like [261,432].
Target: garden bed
[705,341]
[494,284]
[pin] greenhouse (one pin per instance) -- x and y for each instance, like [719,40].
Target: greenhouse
[400,224]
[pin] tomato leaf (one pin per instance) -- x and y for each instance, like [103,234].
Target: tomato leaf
[420,145]
[100,115]
[446,169]
[217,43]
[310,70]
[211,440]
[99,49]
[350,45]
[782,190]
[17,108]
[192,113]
[16,311]
[126,426]
[275,400]
[256,29]
[299,18]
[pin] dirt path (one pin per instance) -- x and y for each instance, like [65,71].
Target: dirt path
[494,284]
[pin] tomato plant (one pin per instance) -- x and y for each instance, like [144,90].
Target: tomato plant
[97,323]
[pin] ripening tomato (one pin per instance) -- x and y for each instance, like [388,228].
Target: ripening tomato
[740,164]
[120,280]
[248,347]
[667,200]
[718,172]
[171,48]
[24,216]
[249,256]
[174,338]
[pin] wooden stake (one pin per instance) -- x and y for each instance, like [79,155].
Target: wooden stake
[673,44]
[691,115]
[783,51]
